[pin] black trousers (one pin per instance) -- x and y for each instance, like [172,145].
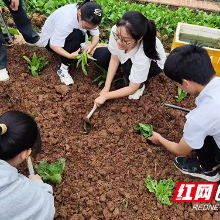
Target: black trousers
[103,56]
[72,44]
[23,23]
[209,154]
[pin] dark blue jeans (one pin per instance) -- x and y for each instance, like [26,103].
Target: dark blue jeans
[23,23]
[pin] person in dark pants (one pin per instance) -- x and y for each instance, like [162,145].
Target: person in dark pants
[190,67]
[134,45]
[65,30]
[23,23]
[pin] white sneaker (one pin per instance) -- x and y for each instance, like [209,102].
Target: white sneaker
[37,44]
[4,75]
[137,94]
[63,73]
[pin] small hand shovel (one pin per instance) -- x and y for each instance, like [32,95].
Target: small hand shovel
[30,166]
[86,124]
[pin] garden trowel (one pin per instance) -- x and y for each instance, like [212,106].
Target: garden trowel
[86,124]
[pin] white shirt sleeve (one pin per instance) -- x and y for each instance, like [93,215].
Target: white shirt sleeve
[194,134]
[59,36]
[140,70]
[112,45]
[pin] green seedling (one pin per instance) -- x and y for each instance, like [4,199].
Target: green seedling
[181,95]
[103,76]
[85,127]
[145,129]
[11,30]
[37,64]
[83,59]
[162,190]
[51,172]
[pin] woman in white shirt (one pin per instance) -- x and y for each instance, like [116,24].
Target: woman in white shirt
[134,45]
[65,29]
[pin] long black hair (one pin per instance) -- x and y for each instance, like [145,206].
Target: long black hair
[22,134]
[91,12]
[137,25]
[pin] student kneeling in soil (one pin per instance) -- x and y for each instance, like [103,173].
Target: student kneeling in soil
[134,44]
[190,66]
[21,198]
[65,30]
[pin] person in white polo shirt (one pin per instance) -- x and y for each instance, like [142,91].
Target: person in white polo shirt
[134,45]
[190,67]
[66,28]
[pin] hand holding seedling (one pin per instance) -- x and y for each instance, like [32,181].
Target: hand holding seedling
[88,49]
[76,53]
[155,138]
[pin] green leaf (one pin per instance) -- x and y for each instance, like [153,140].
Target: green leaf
[90,57]
[83,69]
[145,129]
[51,172]
[27,59]
[85,127]
[162,190]
[181,95]
[78,62]
[11,30]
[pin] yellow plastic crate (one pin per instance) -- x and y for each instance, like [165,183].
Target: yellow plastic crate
[208,37]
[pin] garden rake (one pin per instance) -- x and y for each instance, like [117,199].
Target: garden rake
[6,28]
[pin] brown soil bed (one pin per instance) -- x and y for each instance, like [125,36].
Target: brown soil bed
[105,170]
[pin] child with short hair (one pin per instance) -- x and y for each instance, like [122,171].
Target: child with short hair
[21,198]
[66,28]
[191,68]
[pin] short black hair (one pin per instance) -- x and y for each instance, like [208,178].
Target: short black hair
[22,134]
[190,62]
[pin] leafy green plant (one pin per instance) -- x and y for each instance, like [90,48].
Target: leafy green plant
[102,77]
[85,127]
[51,172]
[165,17]
[11,30]
[162,190]
[37,64]
[83,59]
[181,95]
[145,129]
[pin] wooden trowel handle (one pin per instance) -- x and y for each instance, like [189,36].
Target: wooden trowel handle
[92,111]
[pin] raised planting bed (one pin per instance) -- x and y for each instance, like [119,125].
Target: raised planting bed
[205,36]
[105,169]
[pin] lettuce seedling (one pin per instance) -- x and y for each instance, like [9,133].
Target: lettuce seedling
[181,95]
[83,59]
[51,172]
[37,64]
[145,129]
[162,190]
